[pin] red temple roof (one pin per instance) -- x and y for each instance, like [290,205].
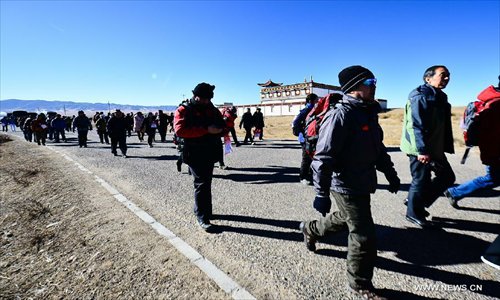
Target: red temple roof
[269,83]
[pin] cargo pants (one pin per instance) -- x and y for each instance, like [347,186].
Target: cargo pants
[354,212]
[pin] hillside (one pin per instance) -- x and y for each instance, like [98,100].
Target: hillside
[59,106]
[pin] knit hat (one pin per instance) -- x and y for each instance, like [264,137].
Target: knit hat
[204,90]
[352,76]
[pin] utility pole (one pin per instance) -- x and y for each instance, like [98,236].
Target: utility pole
[109,108]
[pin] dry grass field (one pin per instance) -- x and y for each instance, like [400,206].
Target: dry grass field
[391,122]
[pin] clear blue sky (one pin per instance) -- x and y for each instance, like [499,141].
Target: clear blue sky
[154,52]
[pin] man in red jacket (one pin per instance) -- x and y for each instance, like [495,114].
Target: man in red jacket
[200,124]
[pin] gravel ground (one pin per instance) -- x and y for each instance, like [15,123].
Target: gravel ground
[259,203]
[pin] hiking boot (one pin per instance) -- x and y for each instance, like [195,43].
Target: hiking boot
[453,201]
[368,293]
[309,240]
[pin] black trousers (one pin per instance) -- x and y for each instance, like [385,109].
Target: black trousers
[120,140]
[202,174]
[305,165]
[424,190]
[248,135]
[82,137]
[103,136]
[233,134]
[163,133]
[58,132]
[151,137]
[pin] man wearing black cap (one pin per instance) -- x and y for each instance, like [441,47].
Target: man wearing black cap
[426,136]
[200,124]
[348,153]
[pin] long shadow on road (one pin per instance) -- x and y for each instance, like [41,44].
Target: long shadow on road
[420,249]
[271,174]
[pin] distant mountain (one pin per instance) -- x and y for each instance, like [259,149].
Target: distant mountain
[10,105]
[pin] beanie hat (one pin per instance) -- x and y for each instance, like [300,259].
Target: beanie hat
[351,76]
[204,90]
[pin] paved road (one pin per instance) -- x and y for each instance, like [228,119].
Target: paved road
[259,204]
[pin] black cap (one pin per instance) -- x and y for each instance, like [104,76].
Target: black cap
[350,77]
[311,97]
[204,90]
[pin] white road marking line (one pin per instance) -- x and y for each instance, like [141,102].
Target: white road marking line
[226,283]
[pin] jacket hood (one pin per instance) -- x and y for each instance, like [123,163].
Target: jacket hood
[488,94]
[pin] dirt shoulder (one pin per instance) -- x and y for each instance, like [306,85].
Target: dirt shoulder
[64,236]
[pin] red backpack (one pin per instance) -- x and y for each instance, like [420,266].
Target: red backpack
[471,119]
[315,118]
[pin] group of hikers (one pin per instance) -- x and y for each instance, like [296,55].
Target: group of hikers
[342,148]
[347,152]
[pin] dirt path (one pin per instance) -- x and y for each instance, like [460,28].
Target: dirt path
[64,236]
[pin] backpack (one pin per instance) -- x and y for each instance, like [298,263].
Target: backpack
[470,120]
[315,118]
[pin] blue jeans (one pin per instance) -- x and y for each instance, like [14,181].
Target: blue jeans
[490,180]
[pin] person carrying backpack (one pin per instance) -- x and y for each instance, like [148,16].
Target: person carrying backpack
[483,131]
[298,129]
[348,153]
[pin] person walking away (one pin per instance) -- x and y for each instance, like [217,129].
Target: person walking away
[26,128]
[298,127]
[488,133]
[229,115]
[426,137]
[40,128]
[5,124]
[138,120]
[150,125]
[247,123]
[129,120]
[82,125]
[59,125]
[101,125]
[162,124]
[200,124]
[117,130]
[258,119]
[171,122]
[348,154]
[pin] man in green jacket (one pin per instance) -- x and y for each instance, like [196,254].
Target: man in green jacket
[426,136]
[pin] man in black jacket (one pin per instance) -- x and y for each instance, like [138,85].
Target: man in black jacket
[117,130]
[247,123]
[348,153]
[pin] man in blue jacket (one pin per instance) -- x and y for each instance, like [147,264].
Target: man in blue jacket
[426,136]
[348,153]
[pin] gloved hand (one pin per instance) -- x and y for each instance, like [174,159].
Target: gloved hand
[322,204]
[394,183]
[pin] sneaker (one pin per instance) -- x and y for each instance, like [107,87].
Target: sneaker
[491,260]
[305,182]
[205,225]
[308,239]
[223,167]
[453,201]
[368,293]
[124,155]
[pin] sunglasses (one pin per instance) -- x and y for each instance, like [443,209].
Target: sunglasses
[370,82]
